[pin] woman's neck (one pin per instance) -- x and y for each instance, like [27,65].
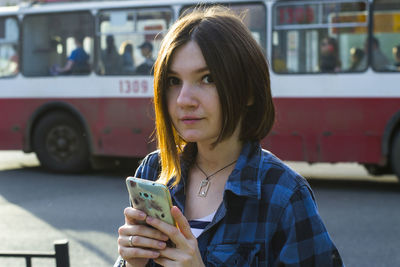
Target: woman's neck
[225,152]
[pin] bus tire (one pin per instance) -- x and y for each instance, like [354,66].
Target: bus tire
[60,143]
[395,155]
[375,169]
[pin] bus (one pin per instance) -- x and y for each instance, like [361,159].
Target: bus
[72,117]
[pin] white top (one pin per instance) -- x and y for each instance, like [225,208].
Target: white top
[197,226]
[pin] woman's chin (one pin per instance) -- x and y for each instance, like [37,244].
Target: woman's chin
[190,139]
[195,136]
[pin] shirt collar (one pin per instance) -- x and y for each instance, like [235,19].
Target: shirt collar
[245,179]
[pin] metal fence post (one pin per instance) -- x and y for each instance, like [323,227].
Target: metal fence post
[62,255]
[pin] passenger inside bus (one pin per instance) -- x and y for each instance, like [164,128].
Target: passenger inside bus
[278,62]
[379,61]
[128,64]
[329,56]
[78,61]
[111,60]
[146,68]
[396,55]
[14,61]
[9,59]
[357,55]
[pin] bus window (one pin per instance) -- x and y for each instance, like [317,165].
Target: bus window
[9,46]
[130,40]
[319,36]
[385,43]
[57,44]
[254,17]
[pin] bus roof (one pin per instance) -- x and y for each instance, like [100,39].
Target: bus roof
[5,10]
[98,5]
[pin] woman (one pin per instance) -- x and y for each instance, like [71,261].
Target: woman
[126,50]
[357,56]
[110,58]
[235,203]
[329,55]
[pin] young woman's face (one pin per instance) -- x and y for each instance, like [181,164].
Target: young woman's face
[193,102]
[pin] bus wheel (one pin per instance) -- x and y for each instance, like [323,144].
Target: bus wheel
[61,143]
[375,169]
[395,155]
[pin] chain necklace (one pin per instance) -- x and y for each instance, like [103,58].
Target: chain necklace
[205,184]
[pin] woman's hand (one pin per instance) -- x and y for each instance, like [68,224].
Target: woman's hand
[137,243]
[186,252]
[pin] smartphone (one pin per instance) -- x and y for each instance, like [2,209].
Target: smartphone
[150,197]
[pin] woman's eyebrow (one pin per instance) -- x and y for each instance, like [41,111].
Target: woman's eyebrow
[203,69]
[199,70]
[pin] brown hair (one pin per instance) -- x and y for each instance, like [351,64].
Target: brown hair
[240,72]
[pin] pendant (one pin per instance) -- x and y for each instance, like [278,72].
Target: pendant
[204,185]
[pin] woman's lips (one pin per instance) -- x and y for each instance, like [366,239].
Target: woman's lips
[190,120]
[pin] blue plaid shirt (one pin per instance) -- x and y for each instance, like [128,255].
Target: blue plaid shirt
[268,216]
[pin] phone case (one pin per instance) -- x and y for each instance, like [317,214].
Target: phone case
[150,197]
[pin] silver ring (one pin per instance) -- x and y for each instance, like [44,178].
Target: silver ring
[130,240]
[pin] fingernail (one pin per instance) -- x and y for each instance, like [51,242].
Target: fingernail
[142,215]
[149,219]
[156,254]
[161,244]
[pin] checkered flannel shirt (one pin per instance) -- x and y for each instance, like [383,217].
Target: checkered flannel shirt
[268,216]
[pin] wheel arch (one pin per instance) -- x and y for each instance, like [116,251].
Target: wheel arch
[392,126]
[51,107]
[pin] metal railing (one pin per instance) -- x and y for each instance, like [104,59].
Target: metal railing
[61,254]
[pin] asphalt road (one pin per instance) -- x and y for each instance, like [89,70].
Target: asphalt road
[36,208]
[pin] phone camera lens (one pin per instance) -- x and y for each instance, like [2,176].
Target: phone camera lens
[162,215]
[146,195]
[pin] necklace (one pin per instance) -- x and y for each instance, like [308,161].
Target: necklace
[205,184]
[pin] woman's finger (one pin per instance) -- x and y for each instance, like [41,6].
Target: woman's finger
[133,216]
[174,254]
[141,230]
[182,222]
[142,242]
[136,252]
[171,231]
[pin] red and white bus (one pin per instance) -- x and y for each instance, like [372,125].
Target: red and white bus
[349,114]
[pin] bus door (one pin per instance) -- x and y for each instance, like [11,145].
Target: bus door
[312,68]
[10,125]
[128,42]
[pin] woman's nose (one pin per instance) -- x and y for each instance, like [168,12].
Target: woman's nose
[186,95]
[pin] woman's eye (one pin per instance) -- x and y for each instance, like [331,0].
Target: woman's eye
[173,81]
[208,79]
